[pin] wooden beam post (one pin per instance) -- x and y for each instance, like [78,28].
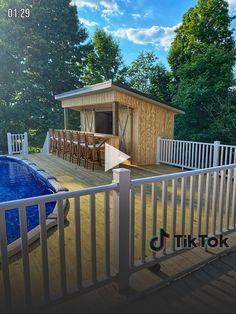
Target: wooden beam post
[65,118]
[115,118]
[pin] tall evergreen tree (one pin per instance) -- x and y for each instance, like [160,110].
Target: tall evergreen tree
[40,56]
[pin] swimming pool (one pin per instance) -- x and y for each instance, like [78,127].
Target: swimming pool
[19,180]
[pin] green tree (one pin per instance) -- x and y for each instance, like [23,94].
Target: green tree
[149,76]
[202,57]
[40,57]
[104,59]
[208,23]
[202,93]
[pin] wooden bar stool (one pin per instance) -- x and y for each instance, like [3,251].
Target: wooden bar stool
[75,147]
[94,146]
[61,144]
[51,141]
[82,149]
[56,141]
[67,145]
[101,150]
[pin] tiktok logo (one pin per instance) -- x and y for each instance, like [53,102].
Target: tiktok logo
[157,243]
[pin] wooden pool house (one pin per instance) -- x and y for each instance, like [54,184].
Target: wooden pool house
[130,118]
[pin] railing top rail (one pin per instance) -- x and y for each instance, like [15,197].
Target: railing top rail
[180,174]
[57,196]
[180,141]
[224,145]
[202,143]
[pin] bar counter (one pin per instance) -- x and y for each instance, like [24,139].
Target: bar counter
[112,140]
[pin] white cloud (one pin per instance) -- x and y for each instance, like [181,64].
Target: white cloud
[232,5]
[149,12]
[87,22]
[85,3]
[159,36]
[136,15]
[109,5]
[106,7]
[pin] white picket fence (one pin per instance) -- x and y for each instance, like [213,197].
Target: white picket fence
[17,143]
[194,155]
[193,202]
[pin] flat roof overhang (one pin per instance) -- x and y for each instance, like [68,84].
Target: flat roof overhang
[113,86]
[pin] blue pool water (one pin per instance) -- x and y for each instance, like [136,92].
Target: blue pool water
[18,181]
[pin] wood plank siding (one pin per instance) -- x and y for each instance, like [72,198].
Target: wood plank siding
[149,121]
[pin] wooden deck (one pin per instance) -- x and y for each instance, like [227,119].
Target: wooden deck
[74,177]
[209,288]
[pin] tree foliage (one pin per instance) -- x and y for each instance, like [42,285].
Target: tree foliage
[40,56]
[148,75]
[104,59]
[202,57]
[208,23]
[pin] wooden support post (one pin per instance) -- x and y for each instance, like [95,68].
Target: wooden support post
[65,118]
[115,118]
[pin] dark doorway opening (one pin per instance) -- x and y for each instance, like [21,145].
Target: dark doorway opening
[103,122]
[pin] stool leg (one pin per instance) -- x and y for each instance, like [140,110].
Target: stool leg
[78,154]
[86,154]
[93,158]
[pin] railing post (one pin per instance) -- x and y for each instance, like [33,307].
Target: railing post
[158,158]
[121,217]
[25,144]
[46,145]
[216,153]
[9,143]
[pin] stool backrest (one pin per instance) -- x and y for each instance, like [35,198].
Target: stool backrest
[68,135]
[51,133]
[62,134]
[82,137]
[90,138]
[56,134]
[75,136]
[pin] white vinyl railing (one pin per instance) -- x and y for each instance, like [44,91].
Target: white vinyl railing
[84,260]
[197,202]
[108,238]
[227,155]
[194,155]
[17,143]
[46,145]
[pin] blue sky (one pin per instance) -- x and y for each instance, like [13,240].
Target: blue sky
[138,25]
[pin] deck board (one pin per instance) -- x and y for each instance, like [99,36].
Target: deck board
[73,176]
[211,289]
